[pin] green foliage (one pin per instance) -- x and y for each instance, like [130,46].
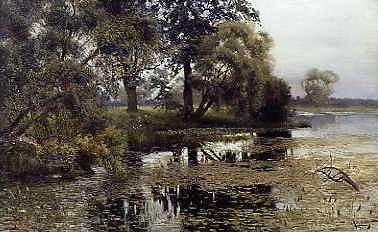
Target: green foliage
[166,97]
[235,64]
[276,100]
[185,21]
[20,158]
[92,145]
[64,144]
[129,43]
[57,126]
[60,59]
[116,142]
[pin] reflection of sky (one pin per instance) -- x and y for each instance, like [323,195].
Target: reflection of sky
[340,135]
[324,126]
[340,35]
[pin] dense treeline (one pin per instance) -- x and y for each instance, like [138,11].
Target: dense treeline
[338,102]
[61,60]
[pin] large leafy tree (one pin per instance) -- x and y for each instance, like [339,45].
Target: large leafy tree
[46,67]
[318,85]
[16,56]
[52,86]
[230,64]
[129,39]
[185,21]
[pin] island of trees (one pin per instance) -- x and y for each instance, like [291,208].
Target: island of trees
[63,62]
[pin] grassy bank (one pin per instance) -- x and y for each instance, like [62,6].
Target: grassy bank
[159,119]
[151,127]
[61,146]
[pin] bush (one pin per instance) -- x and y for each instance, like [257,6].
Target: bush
[20,158]
[62,144]
[115,141]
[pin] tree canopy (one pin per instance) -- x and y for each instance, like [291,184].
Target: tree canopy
[318,85]
[61,61]
[234,64]
[185,21]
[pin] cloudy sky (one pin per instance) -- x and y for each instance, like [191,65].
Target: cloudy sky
[340,35]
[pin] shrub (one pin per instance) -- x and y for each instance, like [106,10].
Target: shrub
[20,158]
[276,100]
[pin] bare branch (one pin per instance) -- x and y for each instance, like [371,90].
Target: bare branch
[339,176]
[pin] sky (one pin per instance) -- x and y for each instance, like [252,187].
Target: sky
[338,35]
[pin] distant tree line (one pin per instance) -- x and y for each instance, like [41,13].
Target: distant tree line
[339,102]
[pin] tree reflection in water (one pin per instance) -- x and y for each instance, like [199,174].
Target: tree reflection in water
[190,208]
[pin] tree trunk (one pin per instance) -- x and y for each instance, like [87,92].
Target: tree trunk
[132,102]
[188,88]
[205,106]
[202,103]
[19,126]
[192,155]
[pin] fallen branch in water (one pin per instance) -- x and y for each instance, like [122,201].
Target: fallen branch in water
[216,156]
[337,175]
[208,155]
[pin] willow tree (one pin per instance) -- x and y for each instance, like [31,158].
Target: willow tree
[52,91]
[232,63]
[43,64]
[318,85]
[186,21]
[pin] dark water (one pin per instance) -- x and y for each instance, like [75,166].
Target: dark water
[262,183]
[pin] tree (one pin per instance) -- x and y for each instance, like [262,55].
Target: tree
[130,42]
[275,101]
[44,67]
[185,21]
[230,64]
[318,86]
[52,89]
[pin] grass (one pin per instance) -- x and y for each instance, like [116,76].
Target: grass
[149,126]
[161,120]
[142,131]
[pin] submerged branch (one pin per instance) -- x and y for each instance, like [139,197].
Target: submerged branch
[337,175]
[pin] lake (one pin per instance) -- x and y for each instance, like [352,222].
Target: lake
[245,182]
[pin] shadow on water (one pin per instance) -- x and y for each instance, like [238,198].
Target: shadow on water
[319,121]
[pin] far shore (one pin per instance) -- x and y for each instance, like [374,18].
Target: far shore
[325,109]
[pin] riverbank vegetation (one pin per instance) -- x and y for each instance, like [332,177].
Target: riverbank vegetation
[63,62]
[336,105]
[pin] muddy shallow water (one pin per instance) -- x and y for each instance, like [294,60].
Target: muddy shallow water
[254,184]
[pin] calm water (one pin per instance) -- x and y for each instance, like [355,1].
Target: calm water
[255,184]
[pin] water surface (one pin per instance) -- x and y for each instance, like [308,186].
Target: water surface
[255,184]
